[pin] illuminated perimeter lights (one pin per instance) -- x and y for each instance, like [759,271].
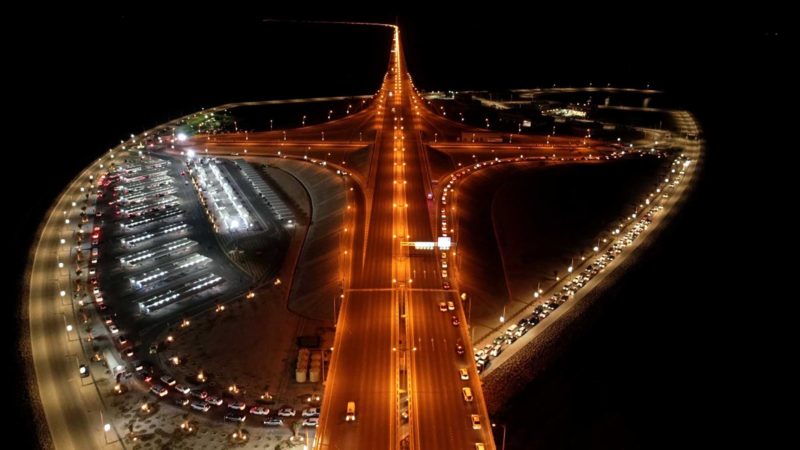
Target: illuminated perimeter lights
[227,211]
[172,269]
[184,292]
[158,252]
[145,236]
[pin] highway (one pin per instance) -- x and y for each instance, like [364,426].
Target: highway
[394,352]
[372,341]
[71,403]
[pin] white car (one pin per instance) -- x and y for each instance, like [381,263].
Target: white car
[96,291]
[182,389]
[476,421]
[463,373]
[451,306]
[259,410]
[113,329]
[311,422]
[168,380]
[442,306]
[216,401]
[237,405]
[201,406]
[159,390]
[311,412]
[287,412]
[273,422]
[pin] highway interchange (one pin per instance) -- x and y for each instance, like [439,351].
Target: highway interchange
[395,353]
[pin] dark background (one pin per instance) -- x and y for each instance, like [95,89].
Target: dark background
[678,355]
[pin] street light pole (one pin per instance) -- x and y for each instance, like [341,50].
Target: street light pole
[68,327]
[503,445]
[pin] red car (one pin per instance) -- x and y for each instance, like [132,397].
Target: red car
[446,284]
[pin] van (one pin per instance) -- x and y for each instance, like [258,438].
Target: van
[467,393]
[351,412]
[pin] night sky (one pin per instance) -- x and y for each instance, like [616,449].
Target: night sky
[669,359]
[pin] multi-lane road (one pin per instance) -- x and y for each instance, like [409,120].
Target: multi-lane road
[70,403]
[394,352]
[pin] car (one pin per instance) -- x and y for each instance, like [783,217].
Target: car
[287,412]
[273,422]
[92,270]
[463,373]
[444,273]
[311,422]
[83,370]
[467,394]
[122,339]
[183,389]
[311,412]
[197,393]
[214,400]
[168,380]
[113,329]
[98,299]
[444,264]
[444,255]
[480,446]
[102,307]
[442,306]
[446,284]
[200,405]
[129,352]
[350,415]
[94,281]
[235,416]
[459,348]
[159,390]
[451,306]
[182,401]
[454,320]
[96,291]
[476,421]
[237,405]
[259,410]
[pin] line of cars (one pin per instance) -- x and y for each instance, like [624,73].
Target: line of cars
[484,355]
[201,401]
